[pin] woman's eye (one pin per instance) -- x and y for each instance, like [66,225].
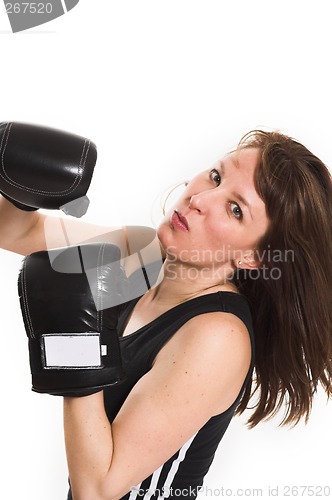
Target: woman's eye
[236,210]
[215,176]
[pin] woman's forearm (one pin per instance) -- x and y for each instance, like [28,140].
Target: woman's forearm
[89,446]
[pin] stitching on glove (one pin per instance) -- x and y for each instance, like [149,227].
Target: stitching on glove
[76,182]
[25,301]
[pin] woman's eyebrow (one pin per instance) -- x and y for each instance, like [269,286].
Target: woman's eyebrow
[236,195]
[245,202]
[222,167]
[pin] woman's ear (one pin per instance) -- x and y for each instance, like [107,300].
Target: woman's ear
[248,261]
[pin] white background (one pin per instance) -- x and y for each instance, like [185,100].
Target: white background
[164,88]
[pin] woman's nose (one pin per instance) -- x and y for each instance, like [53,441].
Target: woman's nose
[203,200]
[196,203]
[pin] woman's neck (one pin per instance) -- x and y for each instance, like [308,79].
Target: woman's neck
[179,282]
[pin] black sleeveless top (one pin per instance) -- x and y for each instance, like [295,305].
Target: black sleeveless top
[182,475]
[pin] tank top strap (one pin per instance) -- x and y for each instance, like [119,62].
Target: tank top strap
[229,302]
[177,316]
[154,335]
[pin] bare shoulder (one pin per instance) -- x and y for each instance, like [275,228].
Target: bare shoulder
[214,330]
[214,347]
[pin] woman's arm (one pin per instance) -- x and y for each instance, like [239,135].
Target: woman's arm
[27,232]
[54,170]
[15,227]
[198,374]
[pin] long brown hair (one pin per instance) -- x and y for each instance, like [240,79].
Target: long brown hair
[291,300]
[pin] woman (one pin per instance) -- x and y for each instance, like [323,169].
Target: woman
[255,229]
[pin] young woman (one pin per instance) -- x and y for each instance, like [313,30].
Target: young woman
[242,306]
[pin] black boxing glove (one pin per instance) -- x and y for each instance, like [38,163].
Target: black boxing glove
[42,167]
[69,301]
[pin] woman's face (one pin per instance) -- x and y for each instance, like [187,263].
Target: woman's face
[219,218]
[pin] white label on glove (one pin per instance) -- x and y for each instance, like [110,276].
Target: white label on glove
[71,350]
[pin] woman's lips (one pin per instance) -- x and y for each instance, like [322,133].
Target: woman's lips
[179,221]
